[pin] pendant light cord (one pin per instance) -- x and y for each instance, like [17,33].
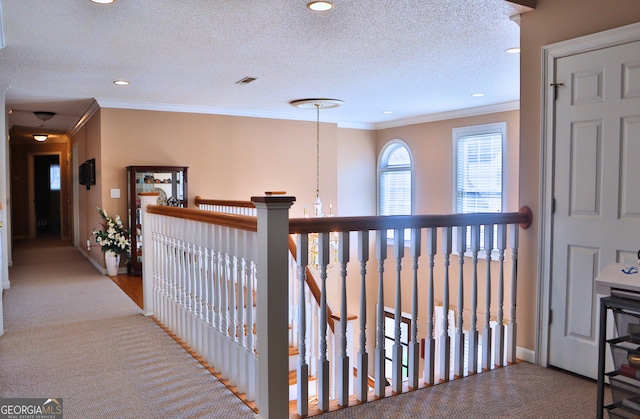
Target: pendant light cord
[317,150]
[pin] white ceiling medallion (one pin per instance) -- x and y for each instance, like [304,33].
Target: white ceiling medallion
[316,103]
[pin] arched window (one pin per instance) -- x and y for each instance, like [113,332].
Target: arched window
[395,179]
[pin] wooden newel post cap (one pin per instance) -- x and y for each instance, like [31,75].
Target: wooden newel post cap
[274,198]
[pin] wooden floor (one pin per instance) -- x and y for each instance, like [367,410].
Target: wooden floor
[131,285]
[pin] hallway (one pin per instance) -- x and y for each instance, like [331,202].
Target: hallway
[71,333]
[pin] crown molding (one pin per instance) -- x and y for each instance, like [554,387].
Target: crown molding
[441,116]
[88,113]
[210,110]
[302,116]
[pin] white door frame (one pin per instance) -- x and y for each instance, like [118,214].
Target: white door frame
[550,54]
[75,194]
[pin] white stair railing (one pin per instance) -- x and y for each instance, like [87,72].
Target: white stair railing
[205,278]
[203,281]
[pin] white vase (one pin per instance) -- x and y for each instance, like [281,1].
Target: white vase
[112,260]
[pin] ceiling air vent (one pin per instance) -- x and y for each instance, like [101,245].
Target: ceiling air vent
[246,80]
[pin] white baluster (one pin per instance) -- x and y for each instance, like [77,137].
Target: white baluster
[240,339]
[252,368]
[381,255]
[512,326]
[396,374]
[499,329]
[414,344]
[430,342]
[217,299]
[458,347]
[302,257]
[445,342]
[473,330]
[224,305]
[344,375]
[486,331]
[323,362]
[233,304]
[362,386]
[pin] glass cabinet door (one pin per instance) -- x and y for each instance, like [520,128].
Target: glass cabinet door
[170,182]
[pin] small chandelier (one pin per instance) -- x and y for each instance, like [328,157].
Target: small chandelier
[317,104]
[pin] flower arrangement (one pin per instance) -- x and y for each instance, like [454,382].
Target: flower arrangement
[113,236]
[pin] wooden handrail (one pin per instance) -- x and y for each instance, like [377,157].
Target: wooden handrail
[242,222]
[523,217]
[333,224]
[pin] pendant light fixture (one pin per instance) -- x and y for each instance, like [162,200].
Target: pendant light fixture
[317,104]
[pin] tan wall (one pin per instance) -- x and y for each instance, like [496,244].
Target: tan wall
[552,21]
[356,157]
[228,157]
[431,145]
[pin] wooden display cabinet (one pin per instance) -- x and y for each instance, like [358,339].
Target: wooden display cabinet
[170,182]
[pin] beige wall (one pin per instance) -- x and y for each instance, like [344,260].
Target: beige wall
[228,157]
[88,143]
[432,149]
[356,157]
[552,21]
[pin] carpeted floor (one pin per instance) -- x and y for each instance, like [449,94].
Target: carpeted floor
[71,333]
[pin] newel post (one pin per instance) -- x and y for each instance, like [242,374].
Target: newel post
[273,305]
[146,199]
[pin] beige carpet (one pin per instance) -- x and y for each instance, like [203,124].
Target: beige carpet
[71,333]
[518,391]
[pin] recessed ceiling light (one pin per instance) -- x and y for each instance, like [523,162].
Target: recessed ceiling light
[121,83]
[103,1]
[320,6]
[515,50]
[387,112]
[477,94]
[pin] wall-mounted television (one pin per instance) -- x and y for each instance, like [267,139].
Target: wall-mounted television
[87,173]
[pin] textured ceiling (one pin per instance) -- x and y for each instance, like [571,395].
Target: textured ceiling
[417,58]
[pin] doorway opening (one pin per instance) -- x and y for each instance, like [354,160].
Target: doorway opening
[46,191]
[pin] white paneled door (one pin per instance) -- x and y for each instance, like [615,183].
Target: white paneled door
[596,191]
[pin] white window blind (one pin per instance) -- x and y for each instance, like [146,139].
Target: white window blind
[395,193]
[395,177]
[479,173]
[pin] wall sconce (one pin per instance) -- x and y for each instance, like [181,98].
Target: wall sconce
[40,137]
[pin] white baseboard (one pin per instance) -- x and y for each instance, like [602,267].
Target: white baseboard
[95,264]
[526,354]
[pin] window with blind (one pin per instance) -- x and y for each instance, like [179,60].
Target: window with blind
[395,181]
[479,169]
